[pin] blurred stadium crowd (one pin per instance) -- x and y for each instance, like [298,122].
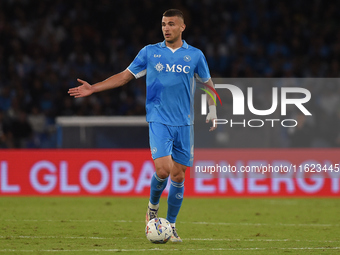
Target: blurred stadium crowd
[46,45]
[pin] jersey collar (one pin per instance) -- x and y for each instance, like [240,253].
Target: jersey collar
[184,45]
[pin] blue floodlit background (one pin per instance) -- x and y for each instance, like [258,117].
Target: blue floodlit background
[46,45]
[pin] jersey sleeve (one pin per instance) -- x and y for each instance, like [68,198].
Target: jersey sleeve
[138,65]
[202,72]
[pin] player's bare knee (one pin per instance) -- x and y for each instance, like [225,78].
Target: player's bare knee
[162,172]
[178,176]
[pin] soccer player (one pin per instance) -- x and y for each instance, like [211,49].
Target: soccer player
[170,67]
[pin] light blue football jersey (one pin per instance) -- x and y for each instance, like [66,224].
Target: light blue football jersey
[170,81]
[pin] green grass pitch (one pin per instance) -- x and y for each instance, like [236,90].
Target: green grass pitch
[107,225]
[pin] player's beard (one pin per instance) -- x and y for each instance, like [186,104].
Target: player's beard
[173,40]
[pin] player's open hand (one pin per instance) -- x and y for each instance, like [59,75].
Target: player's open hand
[214,125]
[212,116]
[85,89]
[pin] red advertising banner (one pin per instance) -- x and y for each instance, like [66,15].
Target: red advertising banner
[218,172]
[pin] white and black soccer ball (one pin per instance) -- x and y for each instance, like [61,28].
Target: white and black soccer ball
[158,230]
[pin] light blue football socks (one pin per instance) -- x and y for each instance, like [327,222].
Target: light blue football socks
[156,188]
[175,199]
[175,196]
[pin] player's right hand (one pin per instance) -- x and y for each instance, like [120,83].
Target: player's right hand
[85,89]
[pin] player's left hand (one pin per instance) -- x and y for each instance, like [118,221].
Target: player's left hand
[211,117]
[214,126]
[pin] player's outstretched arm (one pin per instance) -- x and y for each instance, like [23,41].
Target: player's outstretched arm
[85,89]
[212,107]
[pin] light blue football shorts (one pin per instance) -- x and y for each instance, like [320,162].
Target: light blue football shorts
[177,141]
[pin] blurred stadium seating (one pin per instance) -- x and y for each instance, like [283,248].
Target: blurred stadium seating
[46,45]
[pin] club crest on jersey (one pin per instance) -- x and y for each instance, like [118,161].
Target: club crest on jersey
[187,58]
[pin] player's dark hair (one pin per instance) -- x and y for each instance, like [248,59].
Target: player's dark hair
[173,12]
